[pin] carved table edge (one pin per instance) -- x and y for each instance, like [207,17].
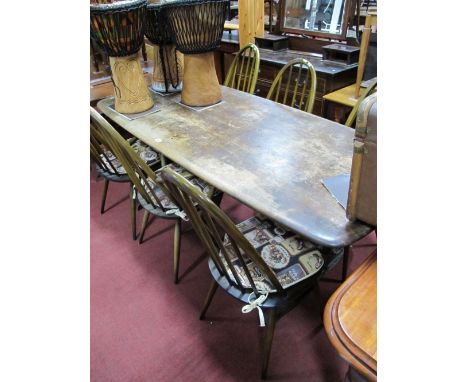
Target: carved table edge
[354,355]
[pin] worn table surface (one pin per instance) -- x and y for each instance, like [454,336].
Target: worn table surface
[350,319]
[269,156]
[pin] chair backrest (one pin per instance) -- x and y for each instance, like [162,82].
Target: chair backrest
[243,72]
[369,90]
[101,153]
[233,255]
[140,174]
[304,82]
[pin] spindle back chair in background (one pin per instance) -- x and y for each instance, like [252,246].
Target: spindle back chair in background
[295,85]
[243,72]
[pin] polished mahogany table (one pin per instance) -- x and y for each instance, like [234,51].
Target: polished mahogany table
[350,320]
[268,156]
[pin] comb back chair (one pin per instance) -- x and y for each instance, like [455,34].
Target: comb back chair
[147,189]
[110,168]
[243,75]
[257,261]
[145,186]
[369,90]
[106,164]
[303,85]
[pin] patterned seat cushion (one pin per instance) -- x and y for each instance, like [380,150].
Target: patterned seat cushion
[164,199]
[144,151]
[291,257]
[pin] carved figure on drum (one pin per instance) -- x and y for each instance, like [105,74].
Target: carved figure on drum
[117,27]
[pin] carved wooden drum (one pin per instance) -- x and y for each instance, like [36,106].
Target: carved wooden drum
[168,62]
[198,28]
[117,27]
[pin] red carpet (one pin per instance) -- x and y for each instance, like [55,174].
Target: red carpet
[145,328]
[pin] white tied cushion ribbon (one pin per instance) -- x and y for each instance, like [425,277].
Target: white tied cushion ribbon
[179,213]
[257,303]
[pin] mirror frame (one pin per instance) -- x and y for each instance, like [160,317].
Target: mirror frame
[348,6]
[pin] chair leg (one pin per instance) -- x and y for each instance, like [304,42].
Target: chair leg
[218,199]
[270,331]
[144,223]
[209,298]
[104,195]
[344,273]
[320,302]
[133,213]
[177,250]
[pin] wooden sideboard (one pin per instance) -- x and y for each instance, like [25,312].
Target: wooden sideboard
[331,75]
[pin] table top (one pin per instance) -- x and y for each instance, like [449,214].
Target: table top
[350,319]
[268,156]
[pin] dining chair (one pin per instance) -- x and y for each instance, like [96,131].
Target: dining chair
[295,79]
[147,190]
[110,168]
[257,261]
[107,164]
[371,88]
[243,72]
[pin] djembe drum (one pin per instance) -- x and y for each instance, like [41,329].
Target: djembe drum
[198,28]
[168,62]
[118,28]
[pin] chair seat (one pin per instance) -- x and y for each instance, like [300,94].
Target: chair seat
[293,293]
[291,257]
[144,151]
[165,200]
[113,177]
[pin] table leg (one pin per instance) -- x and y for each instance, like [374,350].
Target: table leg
[325,109]
[344,272]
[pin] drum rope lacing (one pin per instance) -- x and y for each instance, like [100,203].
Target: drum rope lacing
[197,24]
[118,31]
[167,68]
[158,31]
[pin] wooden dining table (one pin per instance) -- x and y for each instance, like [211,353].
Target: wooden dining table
[268,156]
